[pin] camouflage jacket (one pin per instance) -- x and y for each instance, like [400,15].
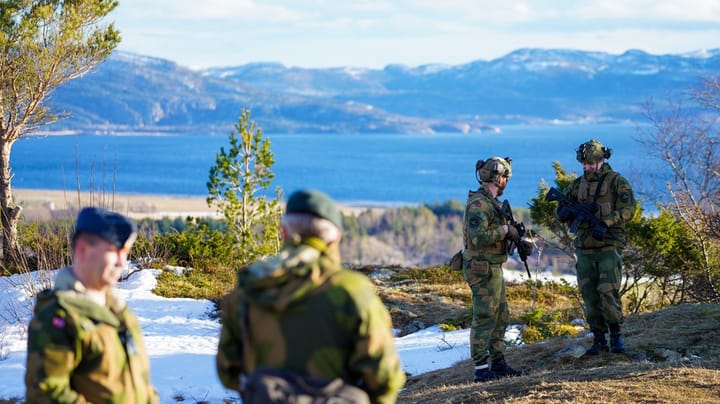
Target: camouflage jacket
[483,233]
[79,351]
[306,314]
[615,200]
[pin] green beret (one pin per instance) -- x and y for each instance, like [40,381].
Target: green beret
[315,203]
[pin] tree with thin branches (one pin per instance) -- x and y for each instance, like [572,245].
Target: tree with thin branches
[684,137]
[43,44]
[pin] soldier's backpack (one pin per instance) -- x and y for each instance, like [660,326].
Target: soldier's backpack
[456,261]
[270,386]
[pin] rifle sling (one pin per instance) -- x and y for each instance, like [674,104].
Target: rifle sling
[597,190]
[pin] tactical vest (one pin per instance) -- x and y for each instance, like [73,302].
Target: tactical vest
[494,253]
[604,197]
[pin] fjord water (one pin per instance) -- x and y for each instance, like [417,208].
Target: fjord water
[357,169]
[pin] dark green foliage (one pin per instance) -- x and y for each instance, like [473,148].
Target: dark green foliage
[198,246]
[45,246]
[663,241]
[161,226]
[451,207]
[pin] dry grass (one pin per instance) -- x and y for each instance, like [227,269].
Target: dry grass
[672,356]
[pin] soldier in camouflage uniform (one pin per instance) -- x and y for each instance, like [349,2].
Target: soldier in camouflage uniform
[84,343]
[599,265]
[299,311]
[486,234]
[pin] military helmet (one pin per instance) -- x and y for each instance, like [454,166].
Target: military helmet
[493,168]
[592,151]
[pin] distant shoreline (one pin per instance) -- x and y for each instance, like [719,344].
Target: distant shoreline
[40,203]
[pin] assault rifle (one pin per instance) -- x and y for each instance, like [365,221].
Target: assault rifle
[520,227]
[580,214]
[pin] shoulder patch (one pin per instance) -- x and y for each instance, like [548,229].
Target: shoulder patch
[58,322]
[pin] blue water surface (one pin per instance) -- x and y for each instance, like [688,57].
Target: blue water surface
[360,169]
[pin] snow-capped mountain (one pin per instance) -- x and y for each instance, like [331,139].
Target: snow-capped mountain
[139,93]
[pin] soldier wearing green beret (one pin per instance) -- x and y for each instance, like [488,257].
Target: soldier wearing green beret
[84,343]
[486,233]
[300,313]
[609,196]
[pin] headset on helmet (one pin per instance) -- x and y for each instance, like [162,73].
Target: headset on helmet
[493,168]
[592,151]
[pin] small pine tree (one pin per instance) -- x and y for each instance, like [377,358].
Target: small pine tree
[237,184]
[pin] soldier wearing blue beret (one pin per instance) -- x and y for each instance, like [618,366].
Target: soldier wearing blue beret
[84,343]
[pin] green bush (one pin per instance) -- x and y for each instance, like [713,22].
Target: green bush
[44,246]
[541,325]
[199,246]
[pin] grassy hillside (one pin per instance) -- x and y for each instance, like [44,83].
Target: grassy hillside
[672,356]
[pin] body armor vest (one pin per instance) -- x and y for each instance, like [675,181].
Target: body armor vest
[603,198]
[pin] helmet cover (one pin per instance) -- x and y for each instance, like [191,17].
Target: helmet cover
[592,151]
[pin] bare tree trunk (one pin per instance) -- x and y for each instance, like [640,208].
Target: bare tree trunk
[9,212]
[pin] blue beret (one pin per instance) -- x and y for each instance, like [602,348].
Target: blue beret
[315,203]
[110,226]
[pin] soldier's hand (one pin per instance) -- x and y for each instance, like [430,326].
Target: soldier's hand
[525,248]
[512,234]
[565,213]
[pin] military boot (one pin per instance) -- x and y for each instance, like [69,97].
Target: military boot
[616,342]
[482,371]
[599,344]
[500,368]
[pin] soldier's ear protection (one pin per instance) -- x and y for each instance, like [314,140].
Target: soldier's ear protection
[478,166]
[495,170]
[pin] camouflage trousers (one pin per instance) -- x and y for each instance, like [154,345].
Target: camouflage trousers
[599,274]
[490,309]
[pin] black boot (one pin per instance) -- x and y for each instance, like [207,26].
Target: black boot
[616,342]
[482,371]
[599,344]
[500,368]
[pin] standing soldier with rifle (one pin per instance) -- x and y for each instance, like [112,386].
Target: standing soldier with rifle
[597,205]
[487,233]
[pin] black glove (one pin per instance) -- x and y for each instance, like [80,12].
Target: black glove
[565,214]
[512,234]
[525,248]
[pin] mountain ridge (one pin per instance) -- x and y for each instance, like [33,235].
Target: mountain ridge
[132,93]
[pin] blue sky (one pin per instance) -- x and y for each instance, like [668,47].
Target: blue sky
[330,33]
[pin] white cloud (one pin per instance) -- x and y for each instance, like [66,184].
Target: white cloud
[374,33]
